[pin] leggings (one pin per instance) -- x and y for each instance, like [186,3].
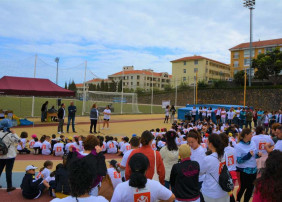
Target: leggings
[166,118]
[246,183]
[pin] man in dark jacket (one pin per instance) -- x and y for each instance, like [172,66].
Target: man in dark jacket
[71,116]
[44,111]
[31,188]
[184,177]
[61,116]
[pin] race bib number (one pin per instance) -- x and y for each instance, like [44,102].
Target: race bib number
[117,175]
[128,147]
[230,160]
[111,145]
[103,147]
[44,146]
[203,145]
[262,145]
[58,149]
[32,143]
[154,146]
[143,195]
[220,167]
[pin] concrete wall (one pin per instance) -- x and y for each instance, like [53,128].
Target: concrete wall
[268,99]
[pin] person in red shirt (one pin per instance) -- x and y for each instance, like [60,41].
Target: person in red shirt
[146,149]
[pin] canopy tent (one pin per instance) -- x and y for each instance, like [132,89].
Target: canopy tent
[10,85]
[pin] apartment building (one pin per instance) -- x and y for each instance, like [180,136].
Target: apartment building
[240,54]
[184,70]
[144,79]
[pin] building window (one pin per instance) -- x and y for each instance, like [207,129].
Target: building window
[184,62]
[246,62]
[138,77]
[184,71]
[132,83]
[131,77]
[268,49]
[247,53]
[207,62]
[236,64]
[259,51]
[184,78]
[195,62]
[137,83]
[236,55]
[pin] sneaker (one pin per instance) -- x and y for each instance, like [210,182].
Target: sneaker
[74,132]
[91,132]
[102,128]
[11,189]
[63,132]
[59,133]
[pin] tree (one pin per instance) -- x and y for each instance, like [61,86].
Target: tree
[167,88]
[72,86]
[120,85]
[202,84]
[183,86]
[113,86]
[98,87]
[106,86]
[66,85]
[92,87]
[239,78]
[268,66]
[103,85]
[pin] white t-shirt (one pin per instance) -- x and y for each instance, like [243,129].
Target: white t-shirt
[78,146]
[21,147]
[107,116]
[49,179]
[154,146]
[153,191]
[161,144]
[205,112]
[111,147]
[230,115]
[46,172]
[59,149]
[104,147]
[260,142]
[211,168]
[218,112]
[209,112]
[194,112]
[86,199]
[223,114]
[115,176]
[198,155]
[230,158]
[125,158]
[125,147]
[31,143]
[278,145]
[120,144]
[67,146]
[37,144]
[46,148]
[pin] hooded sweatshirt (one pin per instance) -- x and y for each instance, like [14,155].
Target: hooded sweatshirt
[169,158]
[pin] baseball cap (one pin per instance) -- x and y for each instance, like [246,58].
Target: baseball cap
[134,135]
[30,167]
[113,162]
[34,136]
[5,124]
[69,138]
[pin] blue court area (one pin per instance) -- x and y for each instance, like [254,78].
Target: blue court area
[16,179]
[182,112]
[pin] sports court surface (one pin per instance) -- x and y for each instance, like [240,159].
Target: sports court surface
[120,125]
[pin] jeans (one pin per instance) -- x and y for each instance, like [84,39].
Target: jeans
[248,123]
[61,124]
[9,163]
[255,123]
[172,117]
[241,123]
[93,123]
[71,119]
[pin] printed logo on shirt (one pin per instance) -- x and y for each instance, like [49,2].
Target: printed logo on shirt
[262,145]
[142,196]
[128,147]
[58,149]
[44,146]
[230,160]
[32,143]
[111,145]
[203,145]
[154,146]
[117,175]
[103,147]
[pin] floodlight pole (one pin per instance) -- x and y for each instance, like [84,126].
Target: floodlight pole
[84,90]
[175,81]
[34,74]
[57,59]
[121,103]
[152,95]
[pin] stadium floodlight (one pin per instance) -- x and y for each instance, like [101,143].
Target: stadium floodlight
[250,4]
[57,59]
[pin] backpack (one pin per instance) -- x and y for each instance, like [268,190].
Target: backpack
[3,147]
[225,180]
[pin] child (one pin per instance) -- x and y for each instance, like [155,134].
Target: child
[78,143]
[69,143]
[21,146]
[37,145]
[46,146]
[53,141]
[112,146]
[58,149]
[126,146]
[45,171]
[30,187]
[50,182]
[114,173]
[32,142]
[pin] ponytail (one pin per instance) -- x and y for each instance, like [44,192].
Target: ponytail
[138,164]
[216,141]
[244,132]
[137,179]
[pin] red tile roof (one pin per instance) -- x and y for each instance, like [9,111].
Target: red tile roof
[155,74]
[79,85]
[94,80]
[196,57]
[256,44]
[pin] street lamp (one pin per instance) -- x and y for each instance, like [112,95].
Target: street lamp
[57,59]
[250,4]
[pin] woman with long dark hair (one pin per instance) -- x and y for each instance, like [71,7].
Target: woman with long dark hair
[246,154]
[138,187]
[211,167]
[169,155]
[269,185]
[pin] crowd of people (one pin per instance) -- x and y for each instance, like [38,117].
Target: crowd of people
[193,160]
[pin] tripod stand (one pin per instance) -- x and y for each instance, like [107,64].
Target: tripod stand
[100,119]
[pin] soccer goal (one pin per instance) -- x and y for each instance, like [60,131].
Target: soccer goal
[122,103]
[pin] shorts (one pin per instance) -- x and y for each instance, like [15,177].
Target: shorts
[217,116]
[106,119]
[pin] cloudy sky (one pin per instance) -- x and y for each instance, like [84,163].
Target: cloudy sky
[111,34]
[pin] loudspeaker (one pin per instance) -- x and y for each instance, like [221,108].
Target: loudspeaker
[59,102]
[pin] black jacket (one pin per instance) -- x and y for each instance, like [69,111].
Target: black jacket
[62,181]
[184,179]
[61,113]
[30,186]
